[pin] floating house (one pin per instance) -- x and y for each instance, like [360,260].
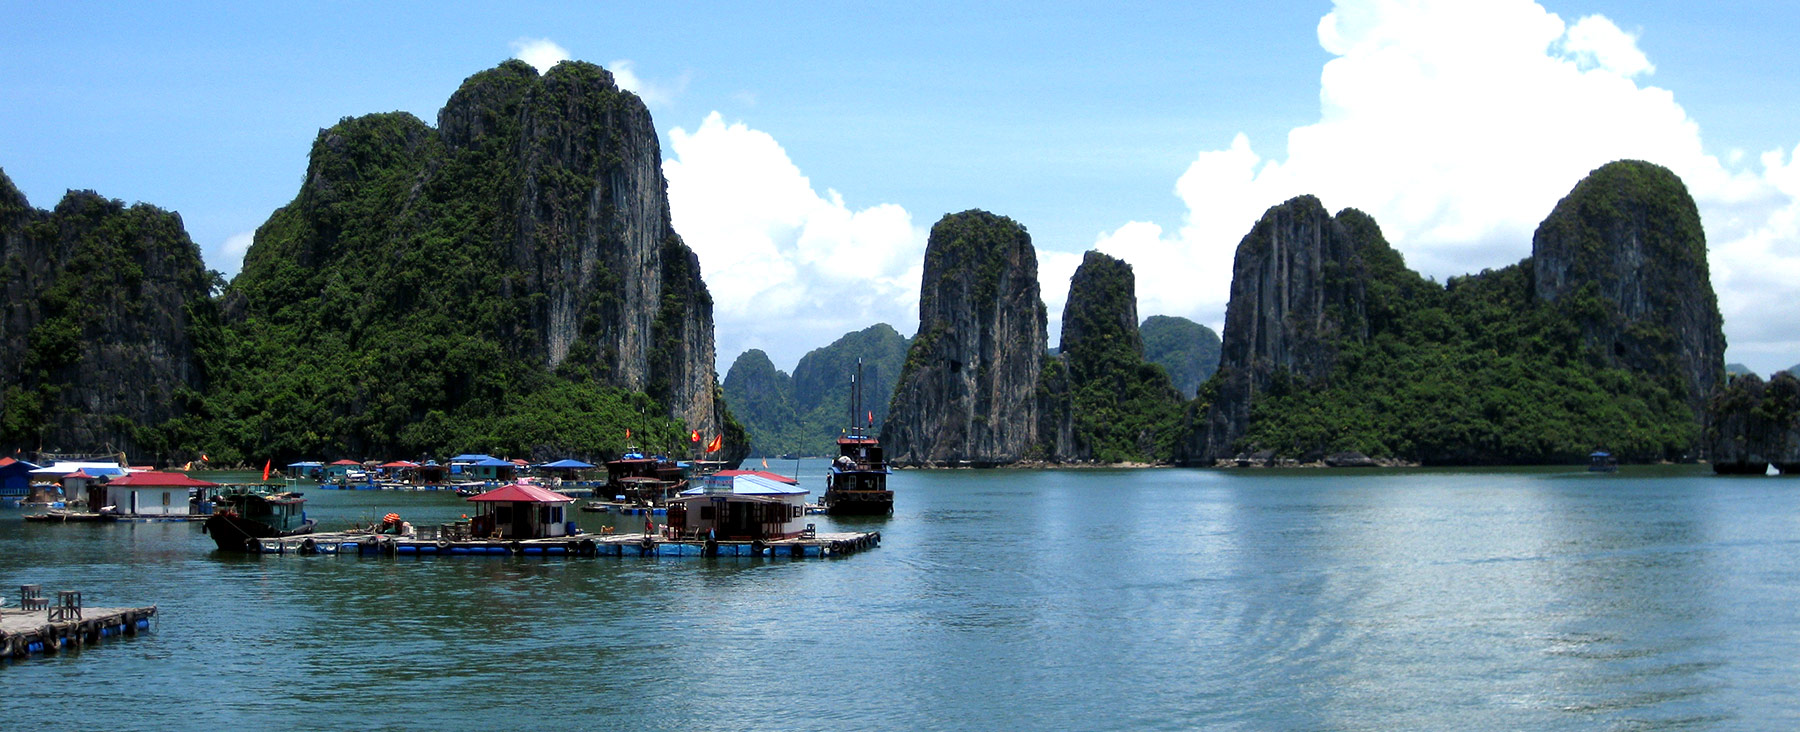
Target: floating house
[149,493]
[740,505]
[491,469]
[15,479]
[343,469]
[519,511]
[306,469]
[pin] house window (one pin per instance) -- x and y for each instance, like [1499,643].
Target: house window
[165,498]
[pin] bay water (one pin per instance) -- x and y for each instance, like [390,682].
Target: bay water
[1162,599]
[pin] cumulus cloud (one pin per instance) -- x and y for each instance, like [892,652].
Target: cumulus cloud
[541,53]
[789,269]
[1458,125]
[654,94]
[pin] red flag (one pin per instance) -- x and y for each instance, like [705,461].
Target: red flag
[266,469]
[717,442]
[695,437]
[871,418]
[627,433]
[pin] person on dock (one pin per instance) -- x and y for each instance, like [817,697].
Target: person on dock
[391,524]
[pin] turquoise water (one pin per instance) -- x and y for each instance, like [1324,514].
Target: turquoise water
[1657,598]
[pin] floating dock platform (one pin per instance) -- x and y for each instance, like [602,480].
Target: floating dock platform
[26,632]
[822,544]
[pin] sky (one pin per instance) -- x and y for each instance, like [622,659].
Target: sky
[809,149]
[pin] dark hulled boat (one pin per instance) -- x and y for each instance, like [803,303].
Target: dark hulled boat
[240,518]
[857,483]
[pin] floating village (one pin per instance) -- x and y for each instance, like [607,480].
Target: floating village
[691,508]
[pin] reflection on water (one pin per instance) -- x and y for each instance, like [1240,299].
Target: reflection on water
[1093,599]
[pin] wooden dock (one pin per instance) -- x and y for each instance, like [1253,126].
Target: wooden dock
[822,544]
[25,632]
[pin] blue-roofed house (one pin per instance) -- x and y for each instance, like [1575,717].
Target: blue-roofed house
[491,469]
[741,505]
[15,479]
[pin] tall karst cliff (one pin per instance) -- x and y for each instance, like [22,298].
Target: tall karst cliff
[97,350]
[517,261]
[1100,399]
[1625,253]
[1297,293]
[1608,337]
[967,393]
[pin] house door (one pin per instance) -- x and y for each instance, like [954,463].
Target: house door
[522,526]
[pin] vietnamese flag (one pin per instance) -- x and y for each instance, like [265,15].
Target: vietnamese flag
[717,442]
[266,469]
[695,437]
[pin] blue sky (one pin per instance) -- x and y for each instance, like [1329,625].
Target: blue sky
[1155,131]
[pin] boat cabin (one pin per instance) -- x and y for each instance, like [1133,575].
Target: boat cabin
[1601,461]
[149,493]
[644,479]
[309,469]
[284,512]
[740,505]
[521,511]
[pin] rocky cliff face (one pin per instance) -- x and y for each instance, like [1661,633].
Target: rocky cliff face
[1297,290]
[1625,252]
[530,230]
[1752,425]
[967,393]
[1121,407]
[103,298]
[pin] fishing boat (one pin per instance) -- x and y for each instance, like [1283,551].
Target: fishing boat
[1601,461]
[240,518]
[857,483]
[644,479]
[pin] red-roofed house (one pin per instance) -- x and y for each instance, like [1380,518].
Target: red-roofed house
[146,494]
[520,511]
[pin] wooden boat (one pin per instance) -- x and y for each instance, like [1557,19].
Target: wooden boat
[58,515]
[857,483]
[240,519]
[1601,461]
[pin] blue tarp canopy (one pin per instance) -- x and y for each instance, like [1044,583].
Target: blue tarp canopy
[471,458]
[307,464]
[573,464]
[491,462]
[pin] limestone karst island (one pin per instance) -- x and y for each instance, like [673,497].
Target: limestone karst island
[508,281]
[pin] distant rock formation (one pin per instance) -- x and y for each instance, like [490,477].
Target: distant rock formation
[1187,350]
[805,413]
[1625,253]
[764,400]
[1121,407]
[101,301]
[967,392]
[1297,291]
[1752,424]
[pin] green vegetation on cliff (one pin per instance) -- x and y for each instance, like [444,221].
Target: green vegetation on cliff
[1122,406]
[1477,371]
[388,310]
[1187,350]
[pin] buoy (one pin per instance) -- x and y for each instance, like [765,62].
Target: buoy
[308,546]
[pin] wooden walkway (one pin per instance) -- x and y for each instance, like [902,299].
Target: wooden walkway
[25,632]
[823,544]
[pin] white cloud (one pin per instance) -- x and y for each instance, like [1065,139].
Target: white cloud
[654,95]
[1458,125]
[237,244]
[789,269]
[541,53]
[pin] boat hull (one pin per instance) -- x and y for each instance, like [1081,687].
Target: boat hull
[859,503]
[235,533]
